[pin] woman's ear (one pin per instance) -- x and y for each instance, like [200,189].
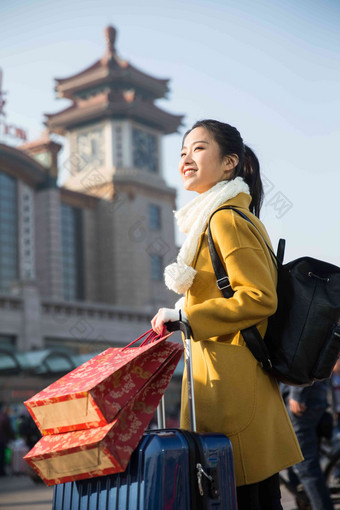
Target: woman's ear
[231,161]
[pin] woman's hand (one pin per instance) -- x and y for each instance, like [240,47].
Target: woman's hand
[297,407]
[165,315]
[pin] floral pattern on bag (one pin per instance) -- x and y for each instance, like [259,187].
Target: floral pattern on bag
[113,442]
[105,383]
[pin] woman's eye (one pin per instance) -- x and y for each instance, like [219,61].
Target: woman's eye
[182,154]
[198,148]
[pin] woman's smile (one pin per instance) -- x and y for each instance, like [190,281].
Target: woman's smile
[189,171]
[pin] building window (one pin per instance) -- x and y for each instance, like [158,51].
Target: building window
[27,233]
[155,217]
[8,232]
[7,342]
[145,150]
[156,262]
[72,259]
[119,146]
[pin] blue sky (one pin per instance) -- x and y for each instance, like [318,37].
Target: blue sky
[269,67]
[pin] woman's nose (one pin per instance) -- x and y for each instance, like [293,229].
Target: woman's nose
[187,158]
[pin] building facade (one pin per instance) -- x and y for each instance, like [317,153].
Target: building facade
[81,265]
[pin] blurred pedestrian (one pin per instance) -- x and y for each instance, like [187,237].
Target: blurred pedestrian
[335,379]
[306,408]
[28,430]
[6,434]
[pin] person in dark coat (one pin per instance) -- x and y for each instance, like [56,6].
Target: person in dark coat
[6,434]
[306,408]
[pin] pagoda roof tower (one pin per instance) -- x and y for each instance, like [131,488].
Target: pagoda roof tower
[112,88]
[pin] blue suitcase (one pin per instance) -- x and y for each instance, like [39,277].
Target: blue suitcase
[171,469]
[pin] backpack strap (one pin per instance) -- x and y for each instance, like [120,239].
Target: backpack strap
[281,250]
[251,335]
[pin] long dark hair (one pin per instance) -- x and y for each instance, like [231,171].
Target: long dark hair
[230,142]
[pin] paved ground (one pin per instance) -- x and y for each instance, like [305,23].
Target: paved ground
[288,501]
[21,493]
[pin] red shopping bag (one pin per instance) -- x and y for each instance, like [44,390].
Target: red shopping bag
[60,458]
[92,394]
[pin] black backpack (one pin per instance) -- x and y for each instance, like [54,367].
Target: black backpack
[302,341]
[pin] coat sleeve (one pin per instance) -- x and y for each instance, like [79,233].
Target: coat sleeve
[251,278]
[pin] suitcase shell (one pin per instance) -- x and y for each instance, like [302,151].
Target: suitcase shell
[165,470]
[160,476]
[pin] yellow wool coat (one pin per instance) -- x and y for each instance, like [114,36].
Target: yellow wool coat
[234,396]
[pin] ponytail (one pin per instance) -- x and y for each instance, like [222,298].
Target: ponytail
[250,172]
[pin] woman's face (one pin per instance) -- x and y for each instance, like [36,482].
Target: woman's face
[201,165]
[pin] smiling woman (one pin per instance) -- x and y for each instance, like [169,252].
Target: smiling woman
[234,396]
[202,165]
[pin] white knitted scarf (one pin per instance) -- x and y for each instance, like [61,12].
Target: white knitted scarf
[192,219]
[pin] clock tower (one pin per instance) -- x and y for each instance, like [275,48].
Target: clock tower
[114,132]
[112,124]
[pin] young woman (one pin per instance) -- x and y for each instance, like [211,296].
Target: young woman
[233,394]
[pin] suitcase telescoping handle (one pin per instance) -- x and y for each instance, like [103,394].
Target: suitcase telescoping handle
[186,330]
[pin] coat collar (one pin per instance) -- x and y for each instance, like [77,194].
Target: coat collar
[241,201]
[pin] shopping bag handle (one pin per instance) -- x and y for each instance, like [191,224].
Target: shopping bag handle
[155,337]
[151,336]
